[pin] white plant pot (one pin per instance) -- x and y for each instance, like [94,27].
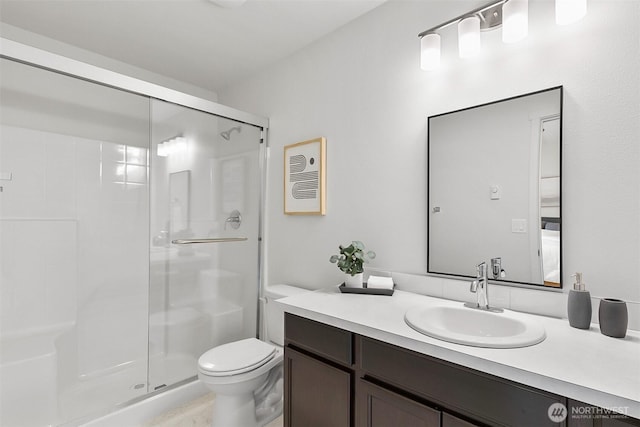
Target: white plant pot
[353,281]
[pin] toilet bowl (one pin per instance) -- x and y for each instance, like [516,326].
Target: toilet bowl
[246,375]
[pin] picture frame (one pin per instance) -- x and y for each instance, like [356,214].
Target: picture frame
[305,177]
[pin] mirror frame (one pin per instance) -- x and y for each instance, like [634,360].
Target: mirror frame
[560,220]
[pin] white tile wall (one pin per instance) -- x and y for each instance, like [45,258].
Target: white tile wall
[39,231]
[74,244]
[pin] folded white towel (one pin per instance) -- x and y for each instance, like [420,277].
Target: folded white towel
[378,282]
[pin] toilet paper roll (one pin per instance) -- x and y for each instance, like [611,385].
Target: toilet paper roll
[378,282]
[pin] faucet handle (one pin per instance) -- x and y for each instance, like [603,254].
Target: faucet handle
[474,286]
[496,268]
[481,269]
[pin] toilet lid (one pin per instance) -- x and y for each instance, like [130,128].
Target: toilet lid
[236,357]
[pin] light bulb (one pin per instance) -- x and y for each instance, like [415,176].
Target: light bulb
[430,52]
[180,144]
[469,37]
[570,11]
[162,149]
[515,20]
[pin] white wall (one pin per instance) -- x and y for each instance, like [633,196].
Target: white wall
[361,87]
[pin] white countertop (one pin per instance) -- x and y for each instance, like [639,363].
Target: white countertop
[580,364]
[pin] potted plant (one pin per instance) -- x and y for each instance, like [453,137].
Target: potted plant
[351,261]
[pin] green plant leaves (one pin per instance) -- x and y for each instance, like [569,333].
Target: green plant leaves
[352,258]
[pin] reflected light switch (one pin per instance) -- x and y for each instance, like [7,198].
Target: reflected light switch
[518,225]
[495,192]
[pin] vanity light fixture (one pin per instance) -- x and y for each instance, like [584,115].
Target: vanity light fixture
[515,20]
[570,11]
[171,146]
[430,51]
[512,15]
[469,36]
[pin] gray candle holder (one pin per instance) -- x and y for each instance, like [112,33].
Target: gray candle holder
[613,317]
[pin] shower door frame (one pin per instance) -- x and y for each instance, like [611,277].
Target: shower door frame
[51,61]
[19,52]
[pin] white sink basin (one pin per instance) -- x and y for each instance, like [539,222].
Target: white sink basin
[469,326]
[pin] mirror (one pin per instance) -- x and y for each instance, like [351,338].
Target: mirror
[494,187]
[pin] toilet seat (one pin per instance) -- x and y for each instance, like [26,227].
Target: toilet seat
[236,357]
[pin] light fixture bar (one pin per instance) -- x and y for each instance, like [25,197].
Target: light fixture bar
[459,18]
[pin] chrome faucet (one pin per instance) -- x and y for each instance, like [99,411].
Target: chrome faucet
[496,268]
[480,288]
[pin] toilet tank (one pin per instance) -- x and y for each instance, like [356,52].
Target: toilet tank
[274,314]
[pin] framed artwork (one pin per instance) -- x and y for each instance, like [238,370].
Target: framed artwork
[305,177]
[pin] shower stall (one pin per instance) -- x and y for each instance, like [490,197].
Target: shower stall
[130,224]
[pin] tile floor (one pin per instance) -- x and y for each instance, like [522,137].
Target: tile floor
[197,413]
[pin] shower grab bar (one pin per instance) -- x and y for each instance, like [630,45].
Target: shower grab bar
[212,240]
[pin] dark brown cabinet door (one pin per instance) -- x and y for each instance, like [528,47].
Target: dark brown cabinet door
[316,394]
[379,407]
[449,420]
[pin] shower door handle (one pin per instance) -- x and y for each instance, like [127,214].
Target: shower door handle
[209,240]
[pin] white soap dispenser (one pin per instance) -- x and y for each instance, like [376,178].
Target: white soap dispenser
[579,306]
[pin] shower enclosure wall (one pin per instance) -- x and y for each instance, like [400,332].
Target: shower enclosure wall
[129,238]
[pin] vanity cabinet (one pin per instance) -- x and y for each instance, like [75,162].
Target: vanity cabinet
[336,378]
[318,378]
[475,395]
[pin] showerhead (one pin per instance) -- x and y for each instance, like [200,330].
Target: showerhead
[227,134]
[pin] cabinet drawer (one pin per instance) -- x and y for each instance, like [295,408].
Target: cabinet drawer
[379,407]
[480,396]
[324,340]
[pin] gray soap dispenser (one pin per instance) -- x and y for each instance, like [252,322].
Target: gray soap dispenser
[579,307]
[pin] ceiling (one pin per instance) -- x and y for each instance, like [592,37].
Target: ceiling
[195,41]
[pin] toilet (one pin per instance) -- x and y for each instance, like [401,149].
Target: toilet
[246,375]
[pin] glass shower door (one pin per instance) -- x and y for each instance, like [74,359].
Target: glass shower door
[74,233]
[205,198]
